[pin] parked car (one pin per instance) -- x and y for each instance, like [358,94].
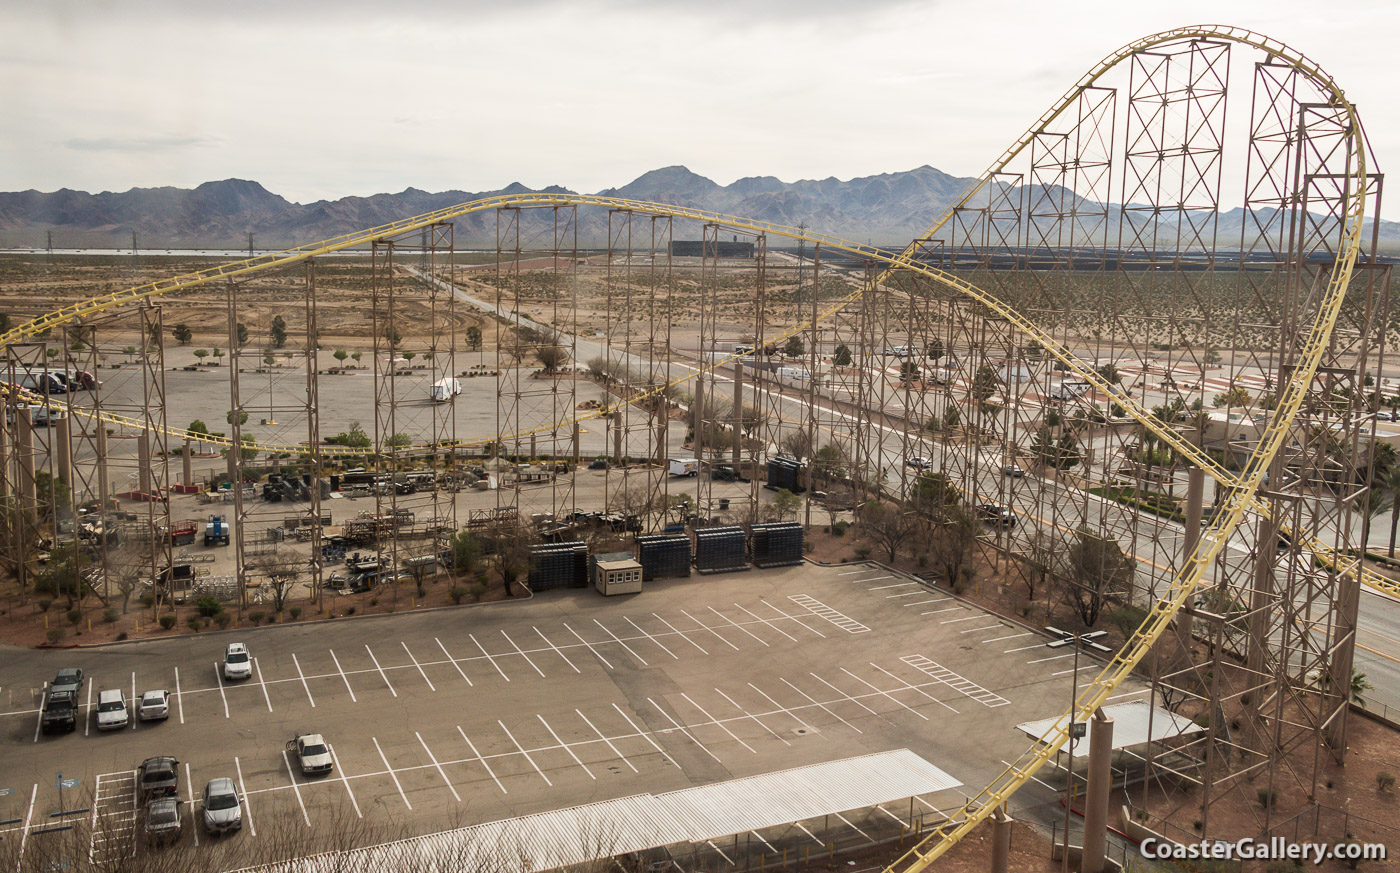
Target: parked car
[60,711]
[1013,471]
[312,753]
[919,463]
[162,820]
[155,705]
[111,710]
[158,777]
[724,473]
[222,810]
[237,663]
[996,515]
[68,679]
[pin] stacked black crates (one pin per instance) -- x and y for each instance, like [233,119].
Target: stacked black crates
[558,565]
[664,555]
[721,549]
[784,473]
[777,544]
[605,557]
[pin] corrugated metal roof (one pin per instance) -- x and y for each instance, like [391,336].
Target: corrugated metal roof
[548,840]
[1129,724]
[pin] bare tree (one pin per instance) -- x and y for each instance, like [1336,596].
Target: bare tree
[887,525]
[1099,572]
[510,542]
[950,542]
[281,568]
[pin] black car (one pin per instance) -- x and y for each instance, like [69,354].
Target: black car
[158,777]
[724,473]
[996,515]
[60,710]
[68,679]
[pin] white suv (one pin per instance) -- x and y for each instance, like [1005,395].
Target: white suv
[237,663]
[111,710]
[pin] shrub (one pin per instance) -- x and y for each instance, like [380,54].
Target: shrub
[1267,797]
[56,635]
[223,620]
[167,621]
[256,616]
[75,615]
[1197,824]
[839,528]
[209,606]
[294,612]
[109,615]
[350,611]
[121,636]
[374,601]
[479,591]
[147,599]
[194,623]
[44,603]
[862,552]
[457,592]
[1384,781]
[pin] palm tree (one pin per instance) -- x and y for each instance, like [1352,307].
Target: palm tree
[1359,686]
[1373,505]
[1391,481]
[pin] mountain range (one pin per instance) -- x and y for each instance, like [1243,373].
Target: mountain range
[888,209]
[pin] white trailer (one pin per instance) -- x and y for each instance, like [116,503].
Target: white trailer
[685,467]
[445,389]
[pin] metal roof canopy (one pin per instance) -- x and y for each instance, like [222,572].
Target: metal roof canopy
[1130,724]
[548,840]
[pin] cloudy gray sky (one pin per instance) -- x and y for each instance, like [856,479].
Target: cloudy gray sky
[322,100]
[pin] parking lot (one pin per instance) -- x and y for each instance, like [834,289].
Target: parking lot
[453,717]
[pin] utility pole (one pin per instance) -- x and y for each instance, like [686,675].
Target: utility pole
[250,245]
[801,258]
[1076,729]
[49,248]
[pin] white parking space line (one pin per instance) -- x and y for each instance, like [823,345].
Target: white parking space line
[418,665]
[620,642]
[521,653]
[218,677]
[974,630]
[778,706]
[704,626]
[382,674]
[755,719]
[905,594]
[180,698]
[1024,648]
[392,775]
[770,624]
[1012,637]
[189,789]
[646,735]
[965,618]
[522,751]
[822,706]
[557,650]
[133,712]
[854,572]
[906,685]
[722,726]
[302,677]
[296,789]
[87,709]
[685,733]
[816,607]
[895,585]
[243,790]
[28,816]
[926,602]
[460,671]
[606,740]
[473,638]
[843,694]
[871,579]
[1051,658]
[489,772]
[652,638]
[345,780]
[263,684]
[796,618]
[1072,670]
[441,772]
[731,623]
[343,676]
[682,634]
[566,747]
[599,655]
[945,609]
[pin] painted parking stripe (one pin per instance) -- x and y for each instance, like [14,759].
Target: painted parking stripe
[522,654]
[28,817]
[441,773]
[926,602]
[473,638]
[682,634]
[345,780]
[964,618]
[796,618]
[609,742]
[558,651]
[566,747]
[1051,658]
[382,675]
[769,623]
[907,686]
[822,706]
[218,677]
[392,775]
[685,733]
[779,707]
[945,609]
[1024,648]
[489,772]
[296,789]
[659,644]
[755,719]
[738,626]
[704,626]
[521,749]
[460,671]
[722,726]
[189,789]
[842,693]
[618,640]
[821,610]
[263,684]
[343,676]
[960,684]
[179,697]
[243,789]
[646,735]
[1012,637]
[431,687]
[976,630]
[302,677]
[893,585]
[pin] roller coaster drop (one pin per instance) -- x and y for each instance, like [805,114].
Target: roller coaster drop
[998,281]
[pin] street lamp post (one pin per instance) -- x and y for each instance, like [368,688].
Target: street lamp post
[1076,729]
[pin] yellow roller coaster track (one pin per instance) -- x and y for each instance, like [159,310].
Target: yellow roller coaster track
[1240,493]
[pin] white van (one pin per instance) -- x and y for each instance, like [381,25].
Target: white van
[684,467]
[445,389]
